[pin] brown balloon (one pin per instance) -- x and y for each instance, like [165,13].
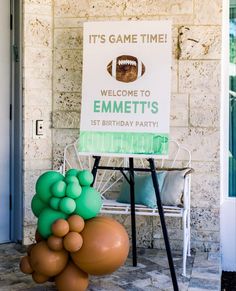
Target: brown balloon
[60,227]
[39,278]
[76,223]
[72,279]
[30,248]
[55,243]
[105,246]
[47,262]
[73,241]
[25,266]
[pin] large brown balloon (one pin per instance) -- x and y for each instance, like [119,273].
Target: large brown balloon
[25,266]
[72,279]
[76,223]
[47,262]
[105,246]
[39,278]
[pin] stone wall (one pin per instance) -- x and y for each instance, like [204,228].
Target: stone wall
[194,101]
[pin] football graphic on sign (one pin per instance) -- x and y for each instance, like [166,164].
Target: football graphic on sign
[126,68]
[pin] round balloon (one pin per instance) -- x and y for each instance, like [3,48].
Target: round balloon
[47,262]
[76,223]
[58,189]
[54,202]
[85,178]
[46,218]
[105,246]
[60,227]
[72,172]
[73,190]
[44,183]
[25,266]
[89,203]
[73,241]
[72,279]
[55,243]
[71,179]
[37,205]
[67,205]
[39,278]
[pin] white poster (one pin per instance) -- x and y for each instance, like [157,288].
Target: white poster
[126,88]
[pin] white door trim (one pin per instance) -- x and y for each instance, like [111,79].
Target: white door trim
[228,204]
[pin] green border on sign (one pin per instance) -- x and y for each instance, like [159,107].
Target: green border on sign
[124,142]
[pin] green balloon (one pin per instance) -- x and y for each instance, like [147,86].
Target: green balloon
[67,205]
[58,189]
[71,179]
[46,218]
[73,190]
[72,172]
[89,203]
[45,182]
[85,178]
[37,205]
[54,202]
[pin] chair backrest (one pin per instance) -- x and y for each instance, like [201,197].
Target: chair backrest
[108,181]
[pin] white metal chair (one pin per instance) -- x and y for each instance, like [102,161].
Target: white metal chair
[108,184]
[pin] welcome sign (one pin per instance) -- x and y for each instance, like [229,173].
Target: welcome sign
[126,88]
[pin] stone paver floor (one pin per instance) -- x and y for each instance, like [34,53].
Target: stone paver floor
[152,273]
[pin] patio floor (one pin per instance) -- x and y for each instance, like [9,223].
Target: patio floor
[152,273]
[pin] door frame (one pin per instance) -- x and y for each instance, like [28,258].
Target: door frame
[227,204]
[16,176]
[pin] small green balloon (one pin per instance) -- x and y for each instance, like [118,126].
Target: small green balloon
[85,178]
[71,179]
[67,205]
[54,202]
[72,172]
[37,205]
[73,190]
[46,218]
[45,182]
[89,203]
[58,189]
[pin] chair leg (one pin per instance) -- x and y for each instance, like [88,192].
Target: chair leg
[185,244]
[189,235]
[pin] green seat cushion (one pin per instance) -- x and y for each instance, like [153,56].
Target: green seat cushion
[144,190]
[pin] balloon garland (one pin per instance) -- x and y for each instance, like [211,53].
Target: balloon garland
[71,242]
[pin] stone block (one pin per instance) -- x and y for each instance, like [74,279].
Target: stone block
[206,167]
[38,30]
[159,7]
[205,190]
[208,12]
[174,76]
[107,8]
[63,137]
[185,19]
[68,38]
[205,110]
[179,110]
[200,42]
[199,77]
[38,149]
[68,70]
[38,7]
[207,219]
[66,119]
[71,8]
[204,143]
[57,154]
[29,234]
[65,22]
[207,236]
[67,101]
[35,97]
[39,2]
[39,58]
